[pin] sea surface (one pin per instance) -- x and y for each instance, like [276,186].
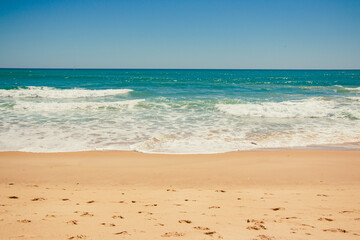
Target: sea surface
[177,111]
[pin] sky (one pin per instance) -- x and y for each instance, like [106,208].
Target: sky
[249,34]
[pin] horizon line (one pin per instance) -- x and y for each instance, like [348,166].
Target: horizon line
[85,68]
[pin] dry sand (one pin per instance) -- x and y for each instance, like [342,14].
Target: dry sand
[127,195]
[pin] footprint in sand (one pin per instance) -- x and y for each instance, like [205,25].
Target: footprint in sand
[50,215]
[160,224]
[170,190]
[210,233]
[72,222]
[92,201]
[322,195]
[65,199]
[220,191]
[109,224]
[151,205]
[307,225]
[14,197]
[213,207]
[258,224]
[335,230]
[264,237]
[202,228]
[147,213]
[185,221]
[278,209]
[326,219]
[289,218]
[117,217]
[78,237]
[24,221]
[38,199]
[87,214]
[346,211]
[254,221]
[256,227]
[122,233]
[173,234]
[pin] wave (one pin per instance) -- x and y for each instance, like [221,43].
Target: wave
[353,89]
[64,106]
[307,108]
[174,144]
[55,93]
[355,99]
[335,88]
[205,144]
[347,89]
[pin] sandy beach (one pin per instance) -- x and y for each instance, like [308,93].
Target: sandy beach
[129,195]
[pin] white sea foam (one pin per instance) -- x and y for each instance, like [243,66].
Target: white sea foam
[353,89]
[346,89]
[163,126]
[65,106]
[356,99]
[55,93]
[172,144]
[308,108]
[245,141]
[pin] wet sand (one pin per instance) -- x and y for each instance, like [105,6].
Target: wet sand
[128,195]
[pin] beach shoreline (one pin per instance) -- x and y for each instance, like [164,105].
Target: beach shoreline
[284,194]
[236,165]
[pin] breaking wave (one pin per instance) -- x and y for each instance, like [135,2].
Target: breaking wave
[307,108]
[56,93]
[65,106]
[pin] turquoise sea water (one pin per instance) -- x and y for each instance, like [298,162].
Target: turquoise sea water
[177,111]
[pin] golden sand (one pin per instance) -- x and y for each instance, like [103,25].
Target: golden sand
[128,195]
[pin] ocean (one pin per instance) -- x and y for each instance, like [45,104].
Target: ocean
[178,111]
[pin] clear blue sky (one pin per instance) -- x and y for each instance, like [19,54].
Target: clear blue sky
[180,34]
